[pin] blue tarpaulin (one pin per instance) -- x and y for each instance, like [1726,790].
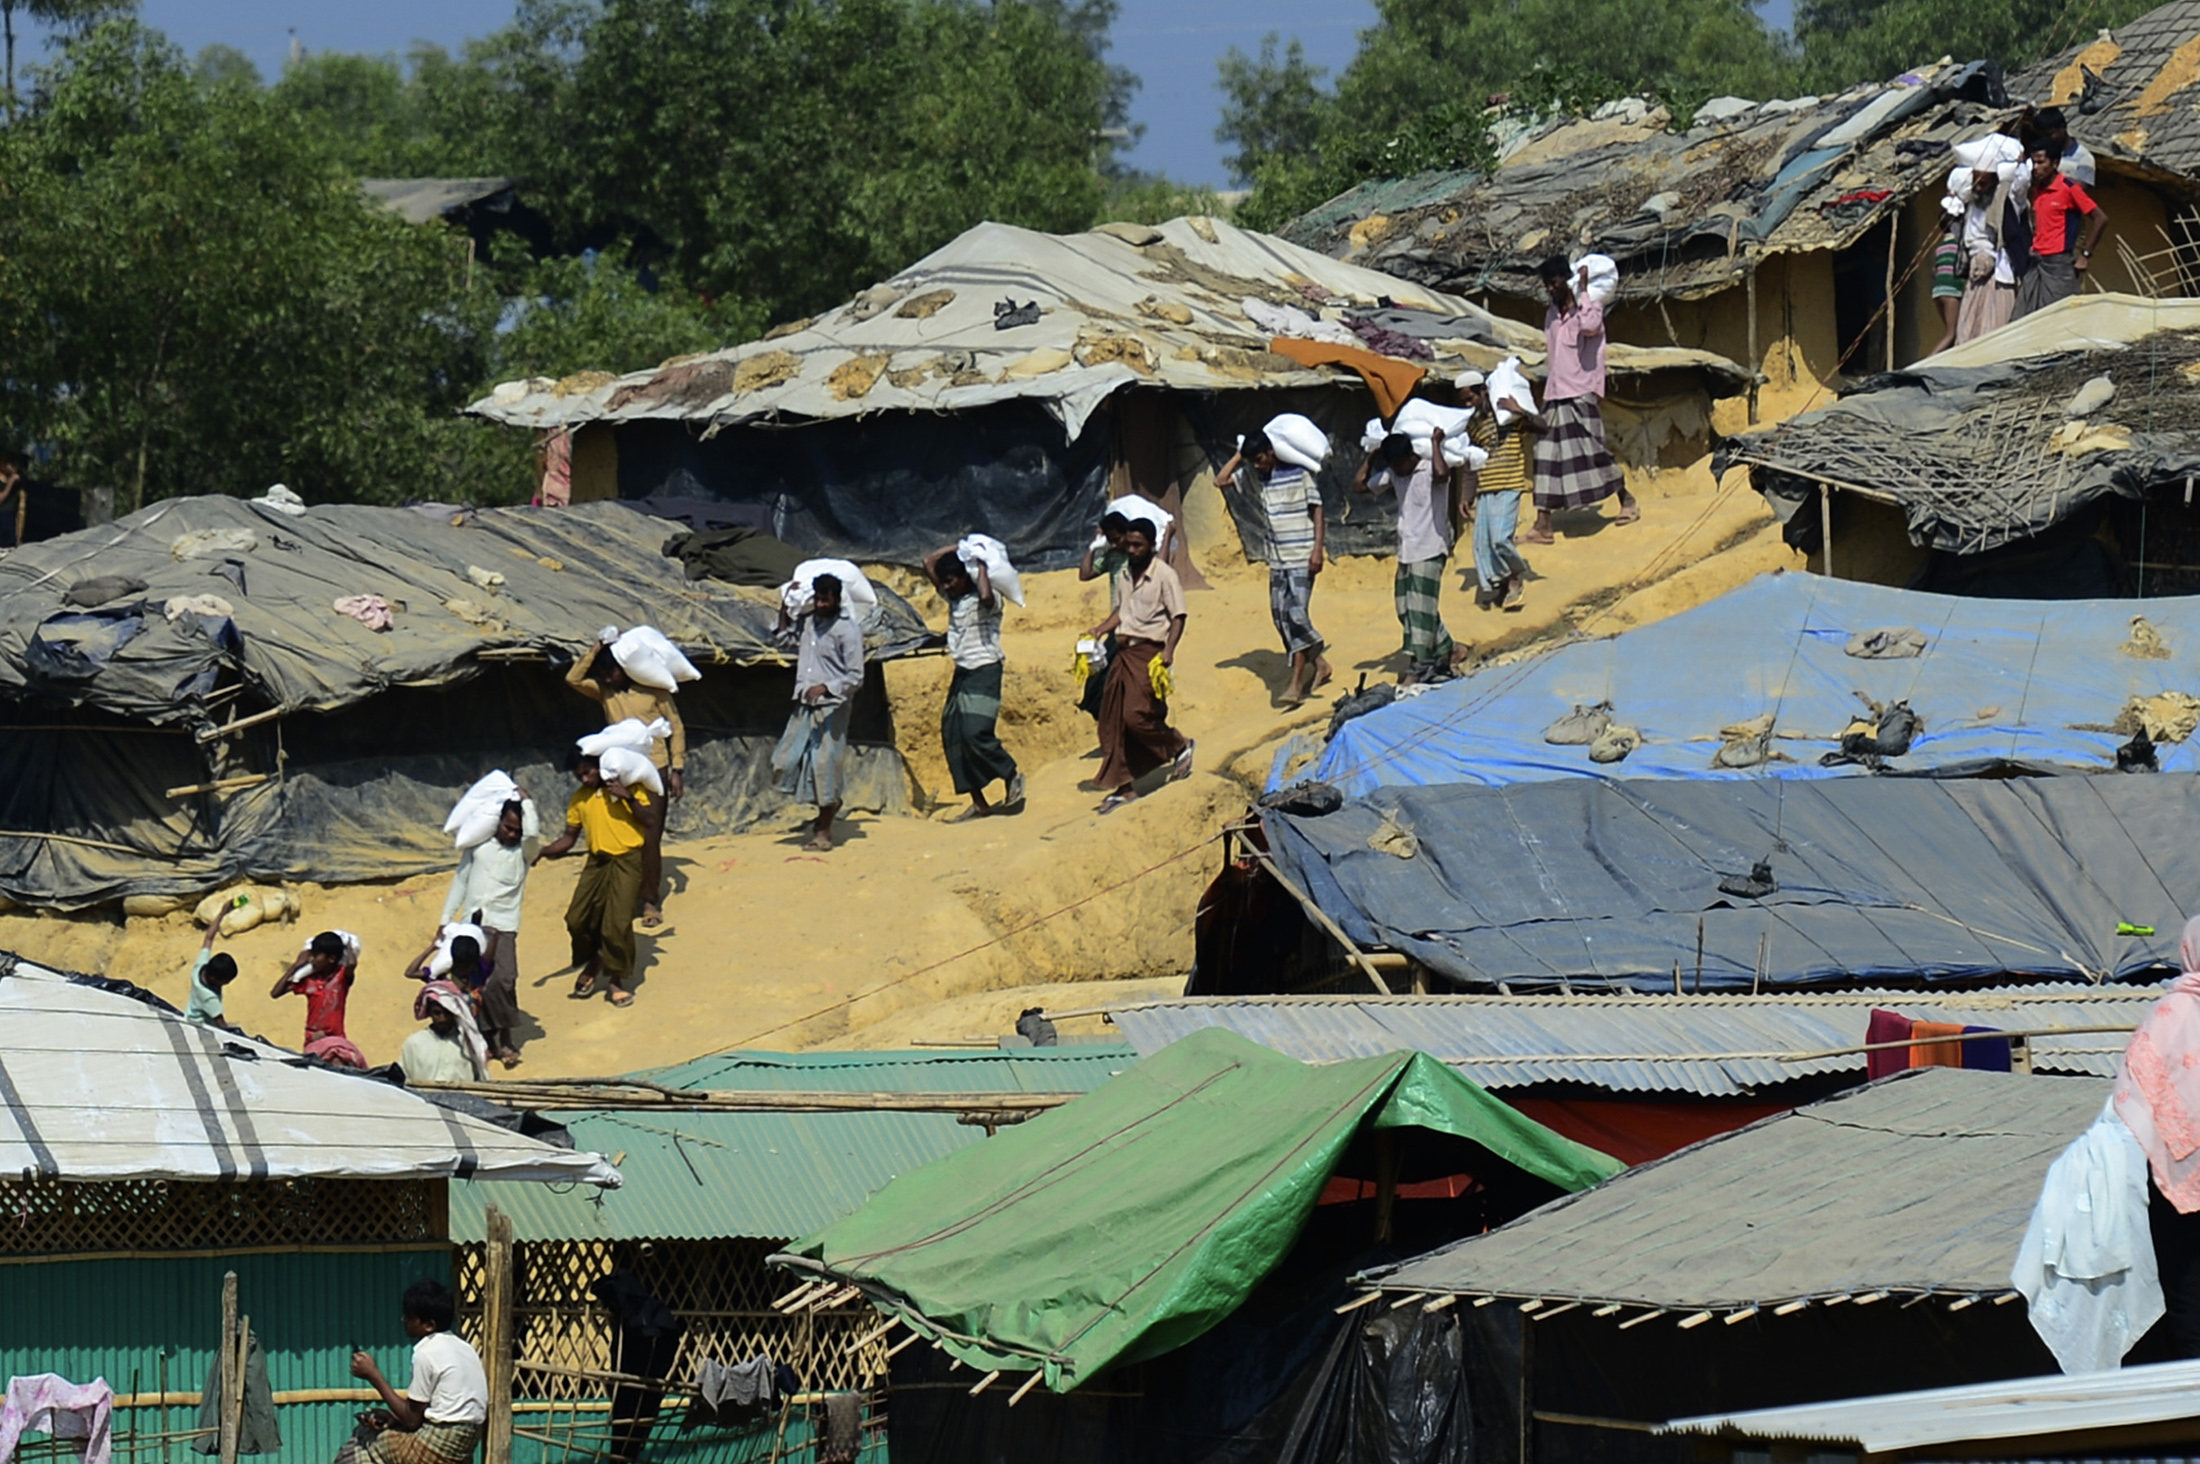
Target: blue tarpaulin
[2028,682]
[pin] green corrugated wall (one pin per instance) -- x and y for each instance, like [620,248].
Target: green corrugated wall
[113,1319]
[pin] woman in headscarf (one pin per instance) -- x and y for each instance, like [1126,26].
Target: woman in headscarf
[2158,1098]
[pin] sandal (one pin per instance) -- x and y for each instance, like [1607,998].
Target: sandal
[585,986]
[652,917]
[970,813]
[1114,801]
[1182,767]
[1632,513]
[621,998]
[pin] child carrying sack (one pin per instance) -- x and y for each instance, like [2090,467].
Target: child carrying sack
[993,554]
[632,733]
[1297,441]
[855,590]
[1419,420]
[650,660]
[1508,380]
[474,818]
[1134,508]
[439,964]
[630,769]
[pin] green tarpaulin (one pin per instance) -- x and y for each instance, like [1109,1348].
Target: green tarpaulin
[1125,1224]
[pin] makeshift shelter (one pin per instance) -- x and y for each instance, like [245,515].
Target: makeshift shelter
[2133,1412]
[155,1155]
[1012,381]
[725,1160]
[1857,1245]
[188,706]
[1770,232]
[2049,459]
[1765,682]
[1670,885]
[1127,1226]
[1638,1075]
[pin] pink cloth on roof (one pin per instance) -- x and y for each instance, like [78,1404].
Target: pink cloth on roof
[47,1404]
[557,470]
[2158,1083]
[1575,342]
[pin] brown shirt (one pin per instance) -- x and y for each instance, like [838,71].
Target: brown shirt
[645,703]
[1146,604]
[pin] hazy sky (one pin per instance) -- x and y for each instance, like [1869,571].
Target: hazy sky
[1171,44]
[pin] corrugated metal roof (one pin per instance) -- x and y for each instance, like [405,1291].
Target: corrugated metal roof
[1713,1046]
[775,1176]
[1919,1183]
[2025,1408]
[2143,102]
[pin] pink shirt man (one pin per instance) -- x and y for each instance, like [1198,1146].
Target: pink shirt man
[1575,343]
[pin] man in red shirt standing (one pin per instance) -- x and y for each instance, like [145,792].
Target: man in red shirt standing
[2058,257]
[322,974]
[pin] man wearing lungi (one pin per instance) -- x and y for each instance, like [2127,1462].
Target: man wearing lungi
[828,670]
[600,917]
[975,757]
[1135,735]
[1291,501]
[2059,256]
[439,1417]
[1424,544]
[1573,467]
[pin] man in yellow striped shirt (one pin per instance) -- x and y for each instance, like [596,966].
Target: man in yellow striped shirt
[1493,494]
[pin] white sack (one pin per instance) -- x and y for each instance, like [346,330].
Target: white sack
[1417,418]
[993,554]
[439,964]
[855,590]
[651,660]
[1508,380]
[1298,441]
[474,817]
[630,769]
[1990,151]
[632,733]
[1603,276]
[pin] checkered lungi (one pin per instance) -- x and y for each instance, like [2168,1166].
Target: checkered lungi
[1290,601]
[1419,590]
[1573,467]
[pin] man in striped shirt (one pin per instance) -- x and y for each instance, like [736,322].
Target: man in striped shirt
[1493,494]
[1291,501]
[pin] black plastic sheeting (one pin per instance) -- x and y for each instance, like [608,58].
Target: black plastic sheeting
[1356,523]
[1587,884]
[894,487]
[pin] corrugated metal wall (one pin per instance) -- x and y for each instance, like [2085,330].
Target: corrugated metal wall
[114,1318]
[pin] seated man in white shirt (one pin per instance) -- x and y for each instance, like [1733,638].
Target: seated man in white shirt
[439,1418]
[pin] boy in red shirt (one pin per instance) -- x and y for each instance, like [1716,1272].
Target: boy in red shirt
[2058,258]
[322,974]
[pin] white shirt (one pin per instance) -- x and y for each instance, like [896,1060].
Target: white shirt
[2077,164]
[449,1379]
[427,1058]
[1421,533]
[974,632]
[491,878]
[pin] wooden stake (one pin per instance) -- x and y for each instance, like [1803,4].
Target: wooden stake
[1359,1301]
[1386,1182]
[497,1337]
[1691,1322]
[228,1356]
[1037,1377]
[1605,1311]
[1638,1321]
[986,1382]
[1790,1308]
[1440,1303]
[871,1336]
[1740,1316]
[1825,528]
[912,1338]
[1408,1300]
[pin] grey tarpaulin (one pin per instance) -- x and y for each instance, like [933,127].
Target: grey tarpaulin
[1981,454]
[1586,884]
[372,734]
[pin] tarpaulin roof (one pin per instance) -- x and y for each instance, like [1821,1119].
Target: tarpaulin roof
[1712,1046]
[1990,443]
[562,574]
[1593,883]
[774,1176]
[100,1085]
[2137,107]
[2018,1408]
[2024,682]
[1128,1222]
[1681,212]
[1123,305]
[1917,1184]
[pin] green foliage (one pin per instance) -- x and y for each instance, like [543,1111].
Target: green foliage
[1848,41]
[194,298]
[1272,107]
[1150,198]
[579,312]
[224,66]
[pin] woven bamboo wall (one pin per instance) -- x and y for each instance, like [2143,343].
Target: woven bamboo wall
[60,1217]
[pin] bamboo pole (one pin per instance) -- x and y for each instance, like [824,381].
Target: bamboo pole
[238,724]
[222,785]
[546,1096]
[228,1420]
[497,1337]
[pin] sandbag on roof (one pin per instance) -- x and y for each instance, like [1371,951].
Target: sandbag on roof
[1130,1221]
[1122,305]
[1991,442]
[1586,884]
[562,573]
[2032,683]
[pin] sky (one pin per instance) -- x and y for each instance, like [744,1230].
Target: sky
[1172,45]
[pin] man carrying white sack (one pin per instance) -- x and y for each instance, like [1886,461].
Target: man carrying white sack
[1495,489]
[487,891]
[1574,467]
[828,647]
[1424,544]
[1291,500]
[598,675]
[970,718]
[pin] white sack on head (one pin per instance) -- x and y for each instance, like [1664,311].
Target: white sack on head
[474,818]
[1603,276]
[1417,419]
[439,964]
[630,769]
[993,554]
[1508,380]
[1298,441]
[1991,151]
[650,659]
[351,946]
[633,733]
[855,590]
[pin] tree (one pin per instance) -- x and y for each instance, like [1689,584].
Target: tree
[599,311]
[1271,108]
[1848,41]
[224,65]
[70,17]
[195,298]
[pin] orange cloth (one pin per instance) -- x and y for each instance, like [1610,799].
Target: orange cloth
[1391,379]
[1936,1054]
